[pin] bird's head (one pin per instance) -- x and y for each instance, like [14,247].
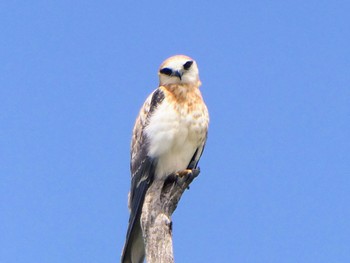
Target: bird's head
[178,69]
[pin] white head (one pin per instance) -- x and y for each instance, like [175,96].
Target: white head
[178,69]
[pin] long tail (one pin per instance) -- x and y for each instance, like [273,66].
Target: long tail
[134,248]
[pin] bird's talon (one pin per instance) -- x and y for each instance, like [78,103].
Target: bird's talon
[184,173]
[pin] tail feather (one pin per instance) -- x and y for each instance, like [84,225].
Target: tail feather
[134,248]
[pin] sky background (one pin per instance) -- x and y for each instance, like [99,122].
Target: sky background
[275,177]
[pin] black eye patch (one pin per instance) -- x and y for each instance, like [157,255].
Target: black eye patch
[188,64]
[166,71]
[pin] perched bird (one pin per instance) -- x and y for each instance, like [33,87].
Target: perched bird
[168,138]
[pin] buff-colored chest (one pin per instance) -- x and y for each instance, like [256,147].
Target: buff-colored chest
[176,129]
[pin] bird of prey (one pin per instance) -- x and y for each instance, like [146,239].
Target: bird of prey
[168,138]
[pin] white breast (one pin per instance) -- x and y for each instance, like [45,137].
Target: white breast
[174,136]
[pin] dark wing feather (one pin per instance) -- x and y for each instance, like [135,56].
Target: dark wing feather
[197,155]
[142,172]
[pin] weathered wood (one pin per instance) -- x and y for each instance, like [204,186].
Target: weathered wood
[160,202]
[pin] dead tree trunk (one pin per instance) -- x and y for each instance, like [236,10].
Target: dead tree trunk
[160,202]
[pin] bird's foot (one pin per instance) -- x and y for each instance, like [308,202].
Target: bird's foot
[183,173]
[187,174]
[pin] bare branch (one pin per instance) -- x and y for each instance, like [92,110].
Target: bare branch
[160,202]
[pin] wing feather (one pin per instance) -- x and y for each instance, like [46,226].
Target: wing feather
[142,174]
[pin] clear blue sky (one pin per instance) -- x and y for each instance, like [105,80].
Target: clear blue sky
[275,175]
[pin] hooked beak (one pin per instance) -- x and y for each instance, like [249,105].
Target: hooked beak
[178,74]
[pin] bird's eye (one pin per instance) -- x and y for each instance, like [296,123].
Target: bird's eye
[188,64]
[166,71]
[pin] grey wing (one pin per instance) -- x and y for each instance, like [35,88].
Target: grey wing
[199,151]
[140,161]
[197,155]
[142,174]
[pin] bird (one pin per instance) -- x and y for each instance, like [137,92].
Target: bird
[168,137]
